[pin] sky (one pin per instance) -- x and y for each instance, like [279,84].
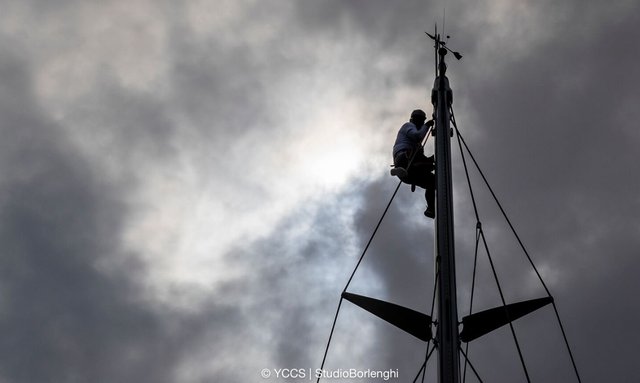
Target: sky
[185,187]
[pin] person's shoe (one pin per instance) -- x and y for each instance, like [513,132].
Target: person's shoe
[399,172]
[429,213]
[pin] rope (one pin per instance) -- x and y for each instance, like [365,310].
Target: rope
[335,318]
[372,236]
[513,230]
[333,326]
[384,213]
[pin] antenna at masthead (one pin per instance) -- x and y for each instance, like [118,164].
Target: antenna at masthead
[443,44]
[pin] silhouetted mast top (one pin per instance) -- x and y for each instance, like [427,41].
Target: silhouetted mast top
[447,336]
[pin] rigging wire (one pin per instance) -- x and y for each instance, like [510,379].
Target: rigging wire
[473,285]
[384,213]
[471,365]
[478,227]
[461,141]
[433,303]
[424,364]
[504,304]
[486,247]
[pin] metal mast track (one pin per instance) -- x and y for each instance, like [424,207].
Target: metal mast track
[447,336]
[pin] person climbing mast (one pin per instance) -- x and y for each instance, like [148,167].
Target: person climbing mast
[418,171]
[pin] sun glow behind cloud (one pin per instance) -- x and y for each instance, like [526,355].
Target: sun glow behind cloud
[330,150]
[201,204]
[196,195]
[191,202]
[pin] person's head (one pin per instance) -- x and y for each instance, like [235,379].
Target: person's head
[418,117]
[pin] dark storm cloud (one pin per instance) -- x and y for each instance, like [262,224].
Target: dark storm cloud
[204,93]
[77,309]
[135,125]
[72,308]
[558,112]
[226,85]
[552,127]
[57,226]
[285,292]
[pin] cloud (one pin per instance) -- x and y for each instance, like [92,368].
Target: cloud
[75,306]
[69,311]
[185,188]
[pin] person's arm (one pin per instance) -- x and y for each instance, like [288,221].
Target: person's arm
[417,134]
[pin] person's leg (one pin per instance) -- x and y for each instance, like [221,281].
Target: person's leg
[400,162]
[430,196]
[421,175]
[422,164]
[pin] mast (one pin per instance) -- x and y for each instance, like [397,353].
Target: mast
[447,335]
